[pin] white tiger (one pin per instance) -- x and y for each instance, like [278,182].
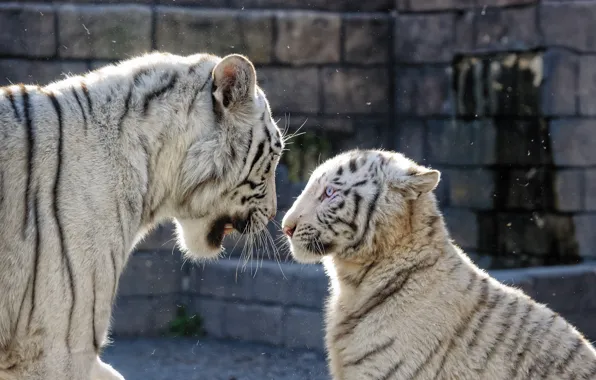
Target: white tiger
[405,302]
[90,164]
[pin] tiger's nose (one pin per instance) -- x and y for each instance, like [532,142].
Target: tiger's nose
[289,231]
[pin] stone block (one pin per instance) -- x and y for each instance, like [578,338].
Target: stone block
[569,189]
[257,32]
[189,31]
[487,232]
[410,138]
[353,90]
[507,3]
[424,91]
[194,3]
[151,273]
[567,292]
[307,37]
[569,24]
[366,38]
[37,72]
[538,235]
[27,30]
[573,142]
[291,89]
[161,238]
[224,279]
[304,329]
[523,142]
[308,285]
[559,90]
[270,285]
[585,225]
[506,29]
[589,190]
[471,188]
[254,323]
[587,85]
[455,142]
[529,189]
[584,322]
[95,65]
[424,37]
[432,5]
[143,316]
[330,5]
[104,32]
[463,227]
[212,314]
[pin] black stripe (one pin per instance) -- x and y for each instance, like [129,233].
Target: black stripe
[115,269]
[505,326]
[121,222]
[126,108]
[30,153]
[1,187]
[194,97]
[340,171]
[56,207]
[521,355]
[93,311]
[15,110]
[391,371]
[89,102]
[76,96]
[488,312]
[371,207]
[19,316]
[159,92]
[352,165]
[35,259]
[360,183]
[520,330]
[369,353]
[570,356]
[257,157]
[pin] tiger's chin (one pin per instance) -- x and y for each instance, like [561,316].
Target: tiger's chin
[202,239]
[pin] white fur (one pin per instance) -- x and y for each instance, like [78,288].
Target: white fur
[407,303]
[175,153]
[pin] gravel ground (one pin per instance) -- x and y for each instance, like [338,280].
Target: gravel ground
[176,358]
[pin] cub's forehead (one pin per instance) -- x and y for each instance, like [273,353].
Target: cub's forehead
[354,164]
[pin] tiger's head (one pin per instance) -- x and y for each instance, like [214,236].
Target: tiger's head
[353,203]
[225,175]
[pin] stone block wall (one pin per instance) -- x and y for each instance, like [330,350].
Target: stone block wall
[497,94]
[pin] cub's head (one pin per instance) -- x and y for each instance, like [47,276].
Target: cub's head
[352,201]
[227,179]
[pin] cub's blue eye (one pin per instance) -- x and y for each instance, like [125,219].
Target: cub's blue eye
[329,191]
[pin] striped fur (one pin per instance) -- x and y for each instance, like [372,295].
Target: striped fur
[405,302]
[89,164]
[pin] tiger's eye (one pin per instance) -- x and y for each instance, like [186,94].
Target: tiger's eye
[329,191]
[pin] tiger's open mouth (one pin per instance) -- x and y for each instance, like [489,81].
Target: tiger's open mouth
[224,226]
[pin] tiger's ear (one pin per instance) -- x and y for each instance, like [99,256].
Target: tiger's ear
[424,181]
[234,80]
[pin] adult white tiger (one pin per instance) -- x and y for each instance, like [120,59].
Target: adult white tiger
[90,163]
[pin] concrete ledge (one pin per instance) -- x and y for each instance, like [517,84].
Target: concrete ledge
[282,303]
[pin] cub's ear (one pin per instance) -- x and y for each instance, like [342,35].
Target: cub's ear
[234,80]
[415,181]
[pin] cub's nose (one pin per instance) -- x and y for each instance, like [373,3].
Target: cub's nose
[289,231]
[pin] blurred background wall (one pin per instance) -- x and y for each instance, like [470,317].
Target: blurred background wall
[500,95]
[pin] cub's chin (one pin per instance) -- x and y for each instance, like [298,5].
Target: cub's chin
[202,239]
[303,255]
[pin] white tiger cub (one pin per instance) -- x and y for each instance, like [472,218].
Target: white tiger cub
[89,164]
[405,302]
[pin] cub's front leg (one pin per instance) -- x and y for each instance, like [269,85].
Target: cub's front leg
[103,371]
